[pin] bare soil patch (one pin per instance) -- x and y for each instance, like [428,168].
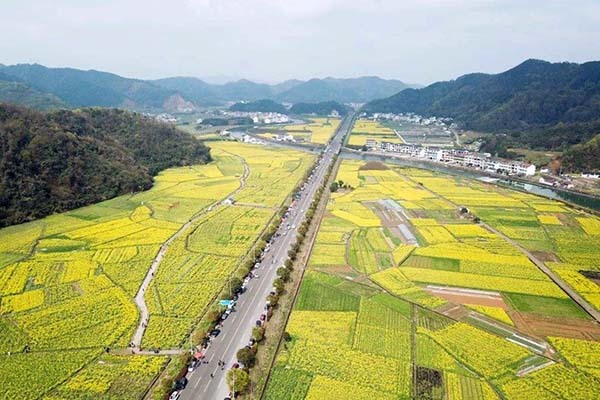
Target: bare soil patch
[545,256]
[458,296]
[374,165]
[542,326]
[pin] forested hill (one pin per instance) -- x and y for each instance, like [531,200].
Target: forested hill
[583,157]
[41,87]
[538,103]
[78,88]
[66,159]
[322,108]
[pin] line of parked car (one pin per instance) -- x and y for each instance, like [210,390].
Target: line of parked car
[198,356]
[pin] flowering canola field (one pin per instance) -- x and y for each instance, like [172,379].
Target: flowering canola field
[368,324]
[67,281]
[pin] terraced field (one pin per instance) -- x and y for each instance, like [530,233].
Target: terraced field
[366,129]
[67,281]
[406,296]
[318,131]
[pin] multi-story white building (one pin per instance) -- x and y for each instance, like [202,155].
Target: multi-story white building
[460,157]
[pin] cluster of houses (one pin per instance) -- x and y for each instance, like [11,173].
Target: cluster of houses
[286,137]
[260,117]
[165,117]
[457,157]
[412,118]
[251,139]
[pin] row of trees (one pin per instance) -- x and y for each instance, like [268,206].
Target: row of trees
[238,379]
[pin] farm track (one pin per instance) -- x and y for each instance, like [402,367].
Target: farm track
[577,298]
[140,299]
[587,307]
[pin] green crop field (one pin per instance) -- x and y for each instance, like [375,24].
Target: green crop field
[441,319]
[67,282]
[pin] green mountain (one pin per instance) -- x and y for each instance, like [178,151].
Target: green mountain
[62,160]
[59,87]
[355,90]
[13,91]
[264,105]
[322,108]
[315,90]
[583,157]
[537,103]
[79,88]
[193,89]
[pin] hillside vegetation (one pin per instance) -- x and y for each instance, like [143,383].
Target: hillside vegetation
[322,108]
[66,159]
[538,104]
[79,88]
[14,91]
[582,157]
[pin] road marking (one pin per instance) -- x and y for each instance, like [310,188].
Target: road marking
[197,383]
[257,291]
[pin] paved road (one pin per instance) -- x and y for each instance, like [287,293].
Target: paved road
[237,329]
[140,300]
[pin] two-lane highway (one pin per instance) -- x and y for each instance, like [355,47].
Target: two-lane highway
[208,380]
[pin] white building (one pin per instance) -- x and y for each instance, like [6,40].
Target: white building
[463,158]
[591,175]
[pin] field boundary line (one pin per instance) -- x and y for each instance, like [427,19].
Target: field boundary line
[140,297]
[572,293]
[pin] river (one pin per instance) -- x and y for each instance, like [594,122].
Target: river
[589,202]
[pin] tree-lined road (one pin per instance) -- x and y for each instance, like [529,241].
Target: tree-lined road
[208,381]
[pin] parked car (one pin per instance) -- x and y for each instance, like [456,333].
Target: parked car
[235,365]
[258,322]
[215,332]
[193,365]
[263,317]
[180,384]
[176,395]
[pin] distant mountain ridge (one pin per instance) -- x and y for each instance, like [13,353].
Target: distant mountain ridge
[321,108]
[78,88]
[352,90]
[540,104]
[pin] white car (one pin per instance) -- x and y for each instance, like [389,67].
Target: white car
[176,395]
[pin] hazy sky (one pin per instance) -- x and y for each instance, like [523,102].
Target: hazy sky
[268,40]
